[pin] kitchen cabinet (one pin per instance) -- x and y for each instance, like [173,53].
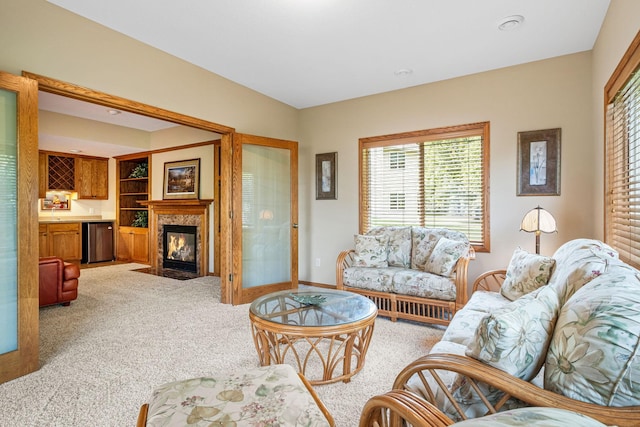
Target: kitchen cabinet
[92,178]
[61,239]
[89,176]
[133,244]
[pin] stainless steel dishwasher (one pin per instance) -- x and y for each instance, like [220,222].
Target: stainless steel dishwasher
[97,242]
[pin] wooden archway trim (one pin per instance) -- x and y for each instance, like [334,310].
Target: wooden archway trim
[70,90]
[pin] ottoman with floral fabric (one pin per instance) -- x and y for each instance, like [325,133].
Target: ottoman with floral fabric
[272,395]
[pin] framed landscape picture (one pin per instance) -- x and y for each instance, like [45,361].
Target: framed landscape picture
[539,163]
[182,179]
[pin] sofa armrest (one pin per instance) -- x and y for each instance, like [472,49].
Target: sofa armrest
[461,279]
[490,281]
[345,260]
[398,405]
[476,372]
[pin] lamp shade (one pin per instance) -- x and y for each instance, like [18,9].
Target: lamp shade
[538,220]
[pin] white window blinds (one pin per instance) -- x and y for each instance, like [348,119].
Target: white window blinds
[434,178]
[623,171]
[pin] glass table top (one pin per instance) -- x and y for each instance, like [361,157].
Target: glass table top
[333,307]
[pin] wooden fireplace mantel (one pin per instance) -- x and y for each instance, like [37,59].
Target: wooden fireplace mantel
[199,207]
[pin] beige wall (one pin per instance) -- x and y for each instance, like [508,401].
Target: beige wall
[44,39]
[564,92]
[540,95]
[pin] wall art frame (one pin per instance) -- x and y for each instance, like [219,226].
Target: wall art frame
[539,163]
[326,173]
[182,179]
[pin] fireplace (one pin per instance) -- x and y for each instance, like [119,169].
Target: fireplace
[180,243]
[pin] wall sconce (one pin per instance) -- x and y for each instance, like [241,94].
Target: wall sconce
[538,220]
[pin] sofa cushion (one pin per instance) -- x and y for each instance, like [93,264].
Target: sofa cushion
[371,251]
[444,256]
[465,322]
[578,262]
[515,338]
[594,354]
[423,240]
[526,272]
[374,279]
[399,246]
[532,417]
[422,284]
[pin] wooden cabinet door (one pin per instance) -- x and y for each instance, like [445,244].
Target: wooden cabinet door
[92,177]
[100,179]
[65,241]
[125,241]
[43,240]
[43,175]
[140,245]
[133,244]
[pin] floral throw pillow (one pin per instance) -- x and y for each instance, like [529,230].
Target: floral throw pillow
[515,338]
[371,251]
[526,273]
[444,256]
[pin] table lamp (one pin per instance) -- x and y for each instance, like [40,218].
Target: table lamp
[538,220]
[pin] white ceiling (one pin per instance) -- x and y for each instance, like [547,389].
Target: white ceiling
[312,52]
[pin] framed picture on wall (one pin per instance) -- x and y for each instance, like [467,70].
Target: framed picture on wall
[326,184]
[539,163]
[182,179]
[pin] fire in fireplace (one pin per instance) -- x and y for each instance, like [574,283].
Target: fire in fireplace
[180,243]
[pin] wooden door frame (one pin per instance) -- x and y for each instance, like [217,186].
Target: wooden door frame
[222,204]
[26,358]
[238,139]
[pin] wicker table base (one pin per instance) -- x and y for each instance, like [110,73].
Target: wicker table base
[326,343]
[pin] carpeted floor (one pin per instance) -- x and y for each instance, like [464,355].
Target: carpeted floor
[129,331]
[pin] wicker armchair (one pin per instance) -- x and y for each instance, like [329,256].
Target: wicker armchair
[426,378]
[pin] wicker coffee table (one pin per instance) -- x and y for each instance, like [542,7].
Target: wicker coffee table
[327,342]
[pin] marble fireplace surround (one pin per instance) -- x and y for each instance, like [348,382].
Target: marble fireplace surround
[179,212]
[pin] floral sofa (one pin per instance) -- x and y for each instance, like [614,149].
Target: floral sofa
[410,272]
[560,332]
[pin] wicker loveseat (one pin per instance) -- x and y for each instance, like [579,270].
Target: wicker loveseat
[410,272]
[567,335]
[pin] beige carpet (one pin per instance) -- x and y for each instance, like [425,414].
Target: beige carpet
[129,331]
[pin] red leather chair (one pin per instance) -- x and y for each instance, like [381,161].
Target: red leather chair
[58,281]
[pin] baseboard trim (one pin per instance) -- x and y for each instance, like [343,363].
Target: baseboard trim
[318,285]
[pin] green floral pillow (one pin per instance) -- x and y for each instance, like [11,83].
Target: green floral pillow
[515,338]
[444,256]
[593,355]
[371,251]
[526,273]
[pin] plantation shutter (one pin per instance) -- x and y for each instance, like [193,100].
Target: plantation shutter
[435,180]
[622,156]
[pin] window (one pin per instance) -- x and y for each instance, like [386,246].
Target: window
[396,201]
[622,151]
[396,160]
[430,178]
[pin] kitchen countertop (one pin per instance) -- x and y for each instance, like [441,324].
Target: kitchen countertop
[70,219]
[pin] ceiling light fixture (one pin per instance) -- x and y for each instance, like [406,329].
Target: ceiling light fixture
[510,22]
[403,72]
[75,151]
[114,112]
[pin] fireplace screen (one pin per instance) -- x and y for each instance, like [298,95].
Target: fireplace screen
[180,247]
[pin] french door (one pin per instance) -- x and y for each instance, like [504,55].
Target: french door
[265,215]
[19,340]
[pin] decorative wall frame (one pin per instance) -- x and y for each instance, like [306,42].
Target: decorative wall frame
[182,179]
[56,201]
[326,172]
[539,163]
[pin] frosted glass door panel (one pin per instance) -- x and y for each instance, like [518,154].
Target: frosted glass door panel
[8,223]
[266,213]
